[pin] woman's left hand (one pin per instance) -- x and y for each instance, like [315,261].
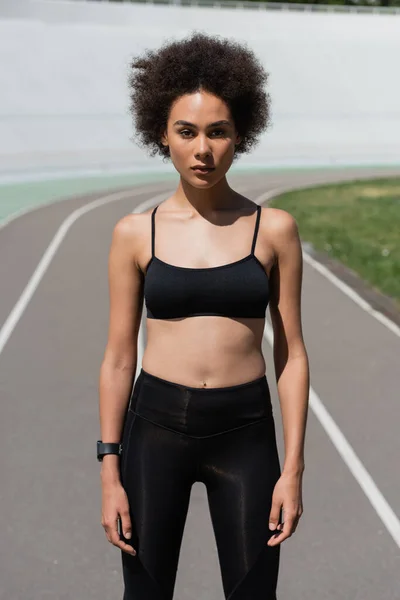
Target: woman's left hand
[287,495]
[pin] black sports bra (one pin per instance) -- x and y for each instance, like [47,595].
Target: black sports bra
[238,290]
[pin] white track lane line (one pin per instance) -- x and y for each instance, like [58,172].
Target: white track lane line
[346,289]
[359,472]
[16,313]
[361,475]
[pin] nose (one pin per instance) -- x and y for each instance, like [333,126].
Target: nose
[203,148]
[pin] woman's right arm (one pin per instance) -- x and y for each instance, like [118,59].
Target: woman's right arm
[118,367]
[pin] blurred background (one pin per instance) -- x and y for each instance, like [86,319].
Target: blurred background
[69,170]
[64,102]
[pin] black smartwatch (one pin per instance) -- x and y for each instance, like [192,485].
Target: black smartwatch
[104,448]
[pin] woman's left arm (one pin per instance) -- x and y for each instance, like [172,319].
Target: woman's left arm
[291,370]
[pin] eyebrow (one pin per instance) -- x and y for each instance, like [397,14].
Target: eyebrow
[222,122]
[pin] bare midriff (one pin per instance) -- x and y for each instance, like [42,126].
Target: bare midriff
[205,351]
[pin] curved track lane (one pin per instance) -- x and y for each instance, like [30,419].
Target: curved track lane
[54,314]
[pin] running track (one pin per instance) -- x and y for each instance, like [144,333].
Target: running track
[54,315]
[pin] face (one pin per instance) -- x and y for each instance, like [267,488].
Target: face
[201,131]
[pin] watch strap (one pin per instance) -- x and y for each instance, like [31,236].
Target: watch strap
[104,448]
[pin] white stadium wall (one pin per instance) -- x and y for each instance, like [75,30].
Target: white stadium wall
[63,78]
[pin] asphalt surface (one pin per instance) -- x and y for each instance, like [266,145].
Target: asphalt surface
[52,544]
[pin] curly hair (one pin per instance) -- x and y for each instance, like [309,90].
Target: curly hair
[225,68]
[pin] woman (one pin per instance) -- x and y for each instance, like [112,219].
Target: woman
[207,262]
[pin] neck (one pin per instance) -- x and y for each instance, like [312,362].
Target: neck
[207,201]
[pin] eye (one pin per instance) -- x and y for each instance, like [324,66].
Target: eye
[184,131]
[221,131]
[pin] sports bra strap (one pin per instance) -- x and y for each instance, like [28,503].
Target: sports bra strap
[256,228]
[153,230]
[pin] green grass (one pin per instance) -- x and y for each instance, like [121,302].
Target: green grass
[356,223]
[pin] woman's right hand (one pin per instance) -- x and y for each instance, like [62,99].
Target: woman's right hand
[114,505]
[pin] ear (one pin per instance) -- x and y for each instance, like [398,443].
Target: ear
[238,140]
[164,139]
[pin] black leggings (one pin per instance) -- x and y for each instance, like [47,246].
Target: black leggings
[174,435]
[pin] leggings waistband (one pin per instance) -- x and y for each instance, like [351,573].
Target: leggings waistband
[199,412]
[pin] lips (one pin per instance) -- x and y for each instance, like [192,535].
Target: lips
[203,169]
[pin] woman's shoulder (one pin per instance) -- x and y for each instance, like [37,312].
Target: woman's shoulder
[279,230]
[133,230]
[278,221]
[134,223]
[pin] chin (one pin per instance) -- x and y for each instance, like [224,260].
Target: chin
[201,184]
